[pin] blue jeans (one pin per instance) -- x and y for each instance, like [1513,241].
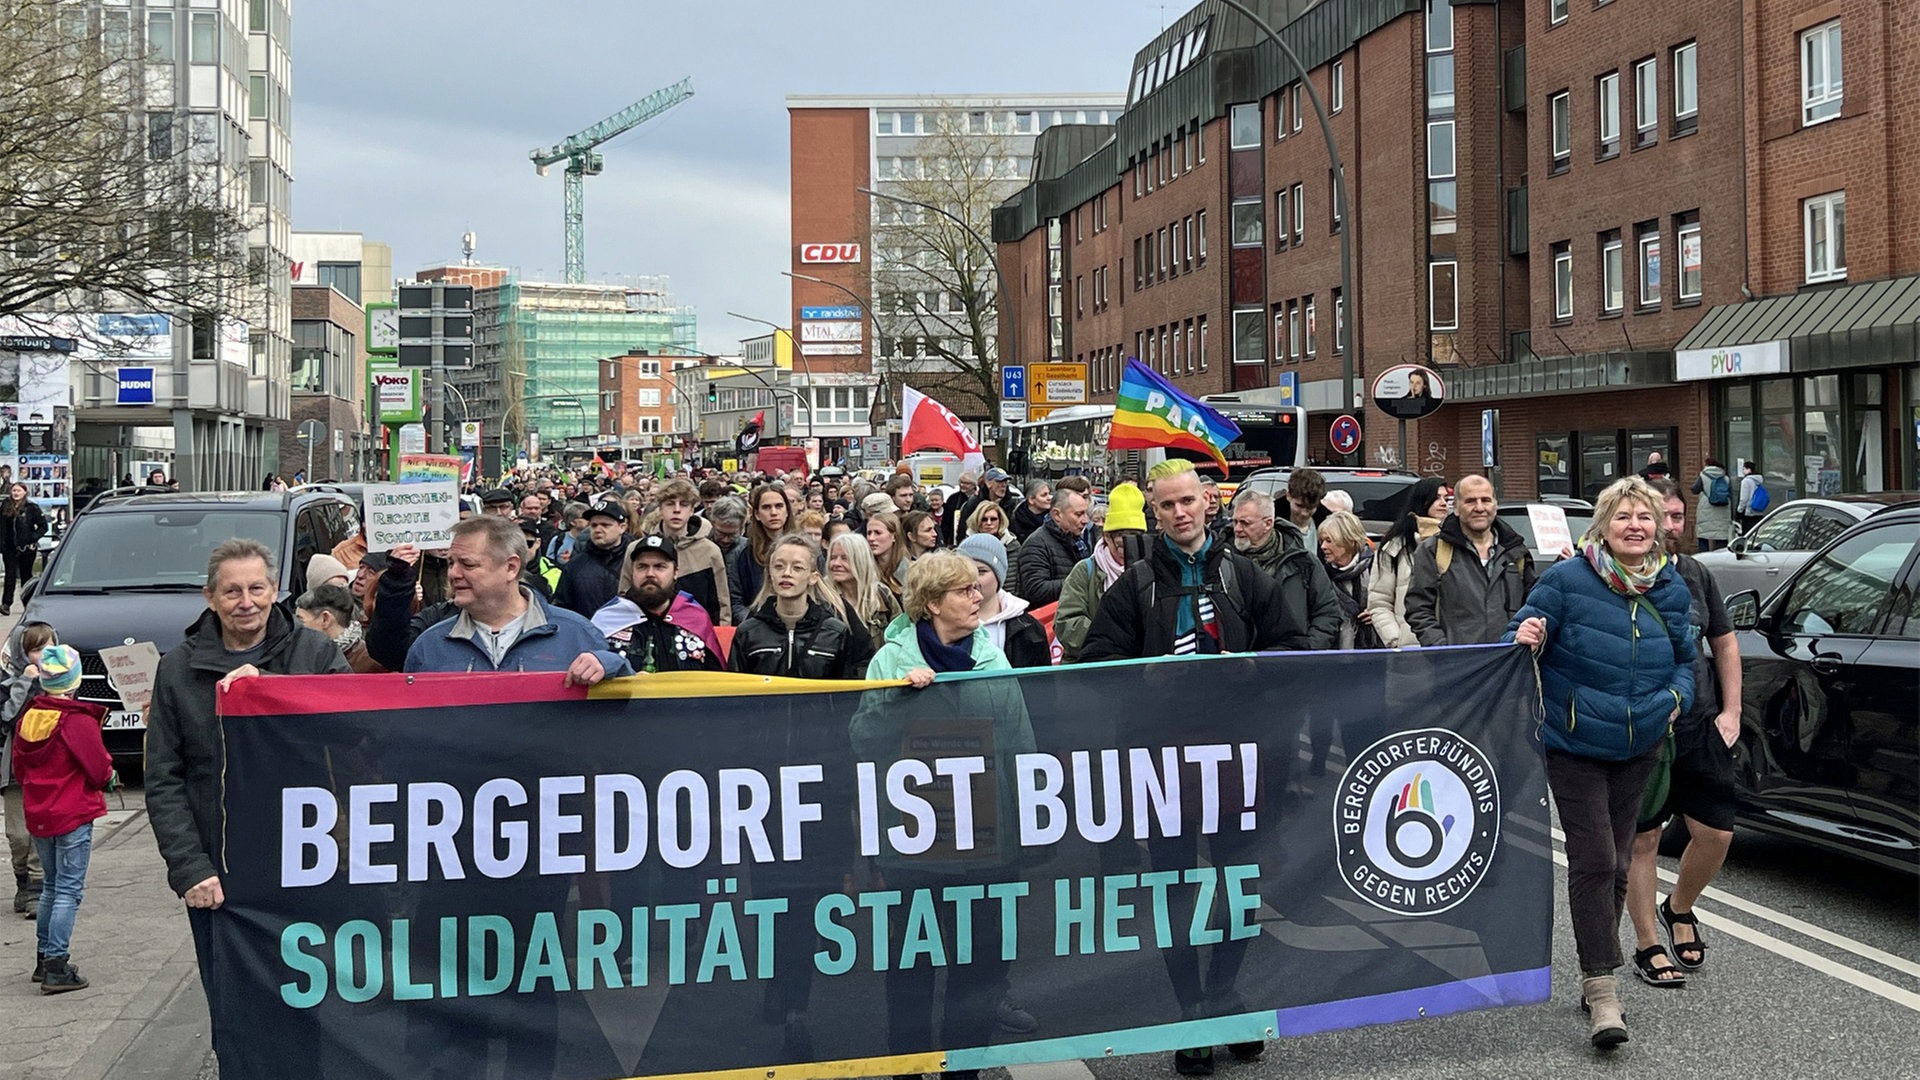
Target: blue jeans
[65,860]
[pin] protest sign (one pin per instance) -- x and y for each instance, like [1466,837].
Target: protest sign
[700,872]
[429,468]
[422,514]
[1551,533]
[130,671]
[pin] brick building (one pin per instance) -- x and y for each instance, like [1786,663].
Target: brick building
[329,382]
[640,399]
[1563,208]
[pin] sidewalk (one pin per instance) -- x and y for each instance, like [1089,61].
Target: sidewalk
[144,1016]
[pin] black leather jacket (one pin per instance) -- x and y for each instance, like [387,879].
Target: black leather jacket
[821,646]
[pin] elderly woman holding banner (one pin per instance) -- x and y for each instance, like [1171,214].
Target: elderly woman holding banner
[938,633]
[1615,648]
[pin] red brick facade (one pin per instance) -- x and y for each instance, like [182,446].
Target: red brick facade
[832,155]
[637,395]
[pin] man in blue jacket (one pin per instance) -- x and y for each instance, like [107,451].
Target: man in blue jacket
[502,625]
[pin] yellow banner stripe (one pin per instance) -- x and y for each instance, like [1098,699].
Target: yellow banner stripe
[933,1062]
[678,684]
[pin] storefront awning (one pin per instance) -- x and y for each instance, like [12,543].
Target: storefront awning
[1873,323]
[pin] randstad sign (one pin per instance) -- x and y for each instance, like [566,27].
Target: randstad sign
[1731,361]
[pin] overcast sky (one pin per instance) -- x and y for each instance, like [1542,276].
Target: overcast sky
[412,121]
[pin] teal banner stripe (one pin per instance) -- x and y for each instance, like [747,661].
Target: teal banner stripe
[1247,1027]
[957,676]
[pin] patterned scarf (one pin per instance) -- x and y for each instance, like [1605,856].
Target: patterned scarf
[1618,578]
[1110,568]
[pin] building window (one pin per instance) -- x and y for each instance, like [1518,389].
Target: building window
[1560,108]
[1249,336]
[1556,12]
[160,36]
[1443,296]
[1686,88]
[1646,102]
[159,136]
[1608,98]
[650,398]
[1179,348]
[1687,239]
[1337,86]
[1312,327]
[1649,242]
[1820,73]
[1280,115]
[1339,322]
[1137,264]
[256,97]
[1562,282]
[1160,245]
[1247,225]
[1826,221]
[1612,288]
[1299,101]
[1201,330]
[1440,163]
[257,182]
[1333,198]
[1440,83]
[1294,329]
[1439,25]
[1299,212]
[1280,220]
[1186,232]
[1200,232]
[204,41]
[1279,333]
[1245,122]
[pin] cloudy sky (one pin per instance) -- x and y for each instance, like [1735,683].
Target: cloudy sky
[412,121]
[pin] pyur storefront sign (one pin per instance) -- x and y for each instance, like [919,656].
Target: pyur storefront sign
[829,253]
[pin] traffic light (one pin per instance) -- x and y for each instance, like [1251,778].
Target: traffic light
[713,396]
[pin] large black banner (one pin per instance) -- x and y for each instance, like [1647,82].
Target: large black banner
[438,875]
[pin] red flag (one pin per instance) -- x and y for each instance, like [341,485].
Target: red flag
[929,425]
[760,420]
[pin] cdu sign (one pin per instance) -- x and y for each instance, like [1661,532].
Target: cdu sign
[136,386]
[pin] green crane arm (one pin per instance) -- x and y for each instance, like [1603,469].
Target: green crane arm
[633,115]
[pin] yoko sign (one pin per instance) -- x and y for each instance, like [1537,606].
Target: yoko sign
[396,393]
[829,253]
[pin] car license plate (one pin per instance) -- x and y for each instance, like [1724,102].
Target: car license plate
[121,720]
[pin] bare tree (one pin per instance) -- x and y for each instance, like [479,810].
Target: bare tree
[939,296]
[105,205]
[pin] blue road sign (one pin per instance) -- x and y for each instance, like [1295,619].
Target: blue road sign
[1013,382]
[1289,386]
[1489,438]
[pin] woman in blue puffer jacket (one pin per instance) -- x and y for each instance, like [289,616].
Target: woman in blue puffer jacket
[1615,648]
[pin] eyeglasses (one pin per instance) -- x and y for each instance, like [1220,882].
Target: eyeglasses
[972,590]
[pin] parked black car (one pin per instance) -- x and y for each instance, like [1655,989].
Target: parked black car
[1829,746]
[131,568]
[1379,495]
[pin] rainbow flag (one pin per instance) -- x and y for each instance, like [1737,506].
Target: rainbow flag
[1149,412]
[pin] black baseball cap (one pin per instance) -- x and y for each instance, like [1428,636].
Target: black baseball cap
[654,543]
[608,508]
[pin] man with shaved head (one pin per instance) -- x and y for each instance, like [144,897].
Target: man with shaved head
[1472,576]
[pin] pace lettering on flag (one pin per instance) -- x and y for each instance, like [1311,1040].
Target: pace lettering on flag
[1148,412]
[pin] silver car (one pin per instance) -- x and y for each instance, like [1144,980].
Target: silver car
[1788,536]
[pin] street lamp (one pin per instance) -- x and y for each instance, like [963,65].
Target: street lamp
[1340,207]
[1000,280]
[800,357]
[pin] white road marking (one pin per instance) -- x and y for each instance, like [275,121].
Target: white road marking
[1799,926]
[1051,1070]
[1821,964]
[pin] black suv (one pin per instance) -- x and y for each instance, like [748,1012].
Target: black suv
[1379,495]
[131,568]
[1829,747]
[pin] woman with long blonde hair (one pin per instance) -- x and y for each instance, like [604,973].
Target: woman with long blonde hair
[854,575]
[886,539]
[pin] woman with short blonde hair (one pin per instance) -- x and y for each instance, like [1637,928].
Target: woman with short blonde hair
[933,577]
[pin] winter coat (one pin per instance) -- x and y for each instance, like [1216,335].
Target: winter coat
[184,745]
[1387,592]
[888,725]
[744,575]
[591,577]
[24,529]
[61,763]
[551,638]
[1712,522]
[1469,604]
[700,571]
[1350,588]
[1018,635]
[351,550]
[1040,569]
[820,646]
[682,640]
[18,689]
[1304,587]
[1026,520]
[1612,671]
[1139,615]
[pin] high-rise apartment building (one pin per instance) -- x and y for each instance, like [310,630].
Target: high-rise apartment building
[884,291]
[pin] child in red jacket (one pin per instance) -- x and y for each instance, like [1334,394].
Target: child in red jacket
[62,767]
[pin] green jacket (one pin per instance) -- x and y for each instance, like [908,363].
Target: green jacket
[989,714]
[1079,603]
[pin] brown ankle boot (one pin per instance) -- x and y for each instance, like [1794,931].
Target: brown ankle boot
[1601,998]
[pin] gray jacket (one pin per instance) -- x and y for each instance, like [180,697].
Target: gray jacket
[1470,604]
[184,741]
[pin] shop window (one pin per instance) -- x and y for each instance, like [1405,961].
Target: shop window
[1553,465]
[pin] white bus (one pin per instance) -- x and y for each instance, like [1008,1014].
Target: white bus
[1073,442]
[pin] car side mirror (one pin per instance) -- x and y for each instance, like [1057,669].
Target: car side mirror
[1737,545]
[26,594]
[1743,609]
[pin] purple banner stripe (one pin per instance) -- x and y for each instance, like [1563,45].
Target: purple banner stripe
[1507,988]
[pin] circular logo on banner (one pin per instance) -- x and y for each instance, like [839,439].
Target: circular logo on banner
[1416,821]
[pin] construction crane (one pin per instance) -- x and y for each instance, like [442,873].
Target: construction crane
[583,161]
